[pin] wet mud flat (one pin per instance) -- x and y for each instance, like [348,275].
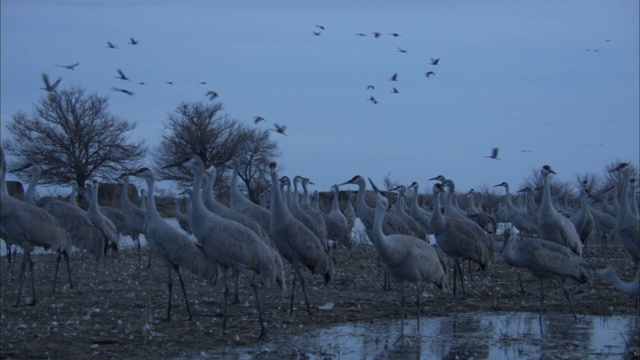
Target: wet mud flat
[117,310]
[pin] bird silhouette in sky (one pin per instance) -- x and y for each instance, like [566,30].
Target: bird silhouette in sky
[49,87]
[395,91]
[317,33]
[370,87]
[133,41]
[170,82]
[110,45]
[376,34]
[394,34]
[394,77]
[373,100]
[121,75]
[124,91]
[361,34]
[279,129]
[141,83]
[203,83]
[401,50]
[257,119]
[211,94]
[430,73]
[70,67]
[494,154]
[320,27]
[435,61]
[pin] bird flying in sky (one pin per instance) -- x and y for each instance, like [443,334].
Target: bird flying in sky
[70,67]
[494,154]
[47,85]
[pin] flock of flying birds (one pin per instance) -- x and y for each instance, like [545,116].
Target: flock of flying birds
[211,94]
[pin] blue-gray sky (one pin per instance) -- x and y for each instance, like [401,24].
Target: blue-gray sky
[512,74]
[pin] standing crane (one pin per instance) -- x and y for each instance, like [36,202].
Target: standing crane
[336,230]
[552,225]
[183,218]
[240,203]
[583,219]
[517,217]
[230,244]
[102,222]
[134,217]
[172,246]
[349,212]
[407,258]
[296,243]
[456,239]
[417,228]
[627,223]
[421,215]
[29,227]
[547,260]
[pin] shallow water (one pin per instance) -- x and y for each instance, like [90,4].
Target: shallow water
[479,336]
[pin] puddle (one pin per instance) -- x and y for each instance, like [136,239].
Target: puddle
[478,336]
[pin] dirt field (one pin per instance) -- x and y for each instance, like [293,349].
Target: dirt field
[117,310]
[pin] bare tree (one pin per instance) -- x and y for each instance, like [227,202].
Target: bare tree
[202,129]
[73,136]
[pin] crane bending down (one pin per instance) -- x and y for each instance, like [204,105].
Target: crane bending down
[407,258]
[296,242]
[172,246]
[629,288]
[230,244]
[547,260]
[29,226]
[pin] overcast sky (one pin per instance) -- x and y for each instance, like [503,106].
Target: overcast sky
[548,82]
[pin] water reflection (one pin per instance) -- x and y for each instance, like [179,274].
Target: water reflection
[479,336]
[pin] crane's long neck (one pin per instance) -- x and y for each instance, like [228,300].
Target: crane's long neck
[335,203]
[278,206]
[197,207]
[546,205]
[379,239]
[623,206]
[305,195]
[207,194]
[124,198]
[414,200]
[235,195]
[364,210]
[93,204]
[30,195]
[294,204]
[438,221]
[151,211]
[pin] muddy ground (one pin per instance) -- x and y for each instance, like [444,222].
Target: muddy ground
[116,309]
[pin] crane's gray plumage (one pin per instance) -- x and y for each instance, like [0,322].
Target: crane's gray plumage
[517,217]
[30,227]
[134,217]
[551,225]
[483,219]
[336,224]
[407,258]
[240,203]
[105,225]
[295,242]
[416,227]
[49,87]
[173,247]
[316,216]
[630,288]
[456,239]
[421,215]
[627,222]
[583,219]
[182,218]
[229,243]
[349,212]
[546,260]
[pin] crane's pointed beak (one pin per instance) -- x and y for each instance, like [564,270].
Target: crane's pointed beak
[176,164]
[20,168]
[373,185]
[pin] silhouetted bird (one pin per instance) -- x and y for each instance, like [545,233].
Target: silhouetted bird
[121,75]
[435,61]
[376,34]
[430,73]
[394,77]
[494,154]
[373,100]
[211,94]
[110,45]
[607,40]
[125,91]
[203,82]
[141,83]
[280,129]
[395,91]
[401,50]
[133,41]
[361,34]
[170,82]
[370,87]
[70,67]
[48,86]
[317,33]
[257,119]
[394,34]
[320,27]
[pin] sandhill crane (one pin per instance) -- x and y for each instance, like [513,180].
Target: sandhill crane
[230,244]
[110,45]
[421,215]
[70,67]
[303,216]
[407,258]
[279,129]
[483,219]
[629,288]
[295,242]
[8,242]
[211,94]
[49,87]
[520,220]
[134,217]
[133,41]
[338,226]
[494,154]
[121,75]
[349,212]
[240,203]
[30,227]
[456,239]
[435,61]
[583,220]
[182,218]
[210,202]
[316,215]
[417,228]
[551,225]
[547,260]
[335,230]
[105,225]
[627,223]
[172,246]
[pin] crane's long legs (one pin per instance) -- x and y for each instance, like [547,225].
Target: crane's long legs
[263,330]
[566,294]
[66,257]
[55,276]
[304,291]
[418,301]
[225,294]
[294,273]
[169,287]
[236,296]
[26,259]
[184,291]
[541,297]
[401,337]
